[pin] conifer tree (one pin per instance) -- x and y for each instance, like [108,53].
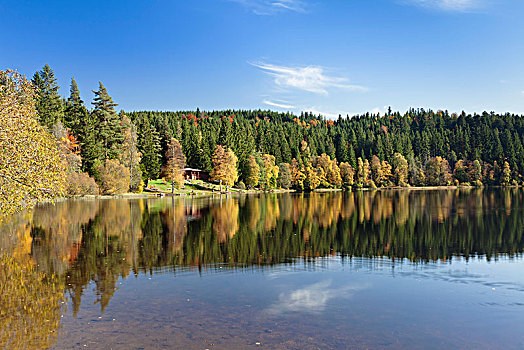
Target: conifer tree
[284,176]
[75,109]
[108,123]
[48,101]
[149,146]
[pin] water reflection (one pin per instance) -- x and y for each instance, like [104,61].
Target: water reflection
[98,242]
[30,306]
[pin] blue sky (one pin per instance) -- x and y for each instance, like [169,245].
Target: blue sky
[330,57]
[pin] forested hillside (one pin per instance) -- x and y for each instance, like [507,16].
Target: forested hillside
[113,152]
[423,139]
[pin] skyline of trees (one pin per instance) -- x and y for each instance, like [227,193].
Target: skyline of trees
[417,148]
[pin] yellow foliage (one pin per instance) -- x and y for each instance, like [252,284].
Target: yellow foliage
[31,168]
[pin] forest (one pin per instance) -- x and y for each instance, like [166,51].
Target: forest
[108,151]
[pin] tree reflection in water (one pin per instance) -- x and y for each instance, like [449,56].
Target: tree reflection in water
[101,241]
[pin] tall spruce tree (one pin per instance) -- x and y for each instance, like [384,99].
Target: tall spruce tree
[75,110]
[149,145]
[109,124]
[48,102]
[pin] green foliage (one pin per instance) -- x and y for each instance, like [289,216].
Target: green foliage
[108,124]
[284,176]
[48,102]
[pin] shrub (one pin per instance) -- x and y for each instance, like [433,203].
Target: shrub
[114,178]
[80,184]
[241,185]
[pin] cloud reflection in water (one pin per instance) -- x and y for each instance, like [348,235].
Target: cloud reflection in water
[310,299]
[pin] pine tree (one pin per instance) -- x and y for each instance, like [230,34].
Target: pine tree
[48,101]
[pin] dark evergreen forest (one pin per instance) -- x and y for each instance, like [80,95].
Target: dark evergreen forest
[419,135]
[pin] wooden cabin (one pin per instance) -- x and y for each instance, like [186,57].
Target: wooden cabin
[195,174]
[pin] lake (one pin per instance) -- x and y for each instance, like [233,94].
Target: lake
[389,269]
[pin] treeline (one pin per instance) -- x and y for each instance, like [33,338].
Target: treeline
[417,148]
[268,149]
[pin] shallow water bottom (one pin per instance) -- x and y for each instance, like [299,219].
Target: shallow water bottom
[330,303]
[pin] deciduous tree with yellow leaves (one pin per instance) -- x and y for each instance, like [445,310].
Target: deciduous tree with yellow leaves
[31,168]
[224,166]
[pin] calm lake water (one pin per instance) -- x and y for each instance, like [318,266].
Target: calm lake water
[383,269]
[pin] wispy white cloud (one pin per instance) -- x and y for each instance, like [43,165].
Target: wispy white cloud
[271,7]
[308,78]
[449,5]
[327,114]
[310,299]
[279,104]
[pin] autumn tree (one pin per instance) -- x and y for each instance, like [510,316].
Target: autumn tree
[506,174]
[461,171]
[114,177]
[175,162]
[297,175]
[387,174]
[78,183]
[376,170]
[224,166]
[311,180]
[438,172]
[270,170]
[129,155]
[475,173]
[252,172]
[361,173]
[347,174]
[31,168]
[400,170]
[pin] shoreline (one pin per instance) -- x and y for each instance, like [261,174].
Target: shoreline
[277,191]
